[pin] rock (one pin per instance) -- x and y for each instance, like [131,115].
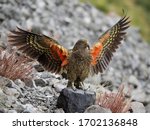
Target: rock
[147,108]
[2,110]
[97,109]
[75,101]
[12,111]
[60,110]
[138,95]
[3,98]
[4,82]
[39,68]
[147,88]
[11,92]
[28,108]
[134,81]
[19,83]
[59,87]
[40,82]
[30,83]
[137,107]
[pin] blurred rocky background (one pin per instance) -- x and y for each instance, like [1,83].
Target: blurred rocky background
[67,21]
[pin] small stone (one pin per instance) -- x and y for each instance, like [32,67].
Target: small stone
[11,92]
[138,95]
[30,83]
[19,83]
[59,87]
[3,98]
[60,110]
[134,81]
[28,108]
[75,101]
[39,68]
[147,88]
[12,111]
[147,108]
[2,110]
[97,109]
[137,107]
[4,82]
[40,82]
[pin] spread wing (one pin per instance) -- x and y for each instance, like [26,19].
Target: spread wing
[44,49]
[103,50]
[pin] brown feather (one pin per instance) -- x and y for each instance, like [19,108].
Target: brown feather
[40,47]
[110,41]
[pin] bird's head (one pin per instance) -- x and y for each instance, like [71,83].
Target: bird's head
[81,44]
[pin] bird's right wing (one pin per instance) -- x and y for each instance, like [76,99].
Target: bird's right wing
[44,49]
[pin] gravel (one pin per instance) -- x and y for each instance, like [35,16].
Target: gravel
[68,21]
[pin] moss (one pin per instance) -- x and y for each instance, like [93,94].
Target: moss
[138,10]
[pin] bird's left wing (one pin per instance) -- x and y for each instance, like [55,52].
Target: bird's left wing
[103,50]
[45,50]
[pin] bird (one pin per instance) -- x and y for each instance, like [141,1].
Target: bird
[80,61]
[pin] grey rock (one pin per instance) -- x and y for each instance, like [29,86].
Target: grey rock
[4,82]
[147,88]
[60,110]
[147,108]
[28,108]
[2,110]
[137,107]
[30,83]
[11,92]
[3,98]
[59,87]
[134,81]
[75,101]
[97,109]
[138,95]
[19,83]
[12,111]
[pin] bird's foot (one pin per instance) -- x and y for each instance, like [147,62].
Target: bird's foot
[80,86]
[71,85]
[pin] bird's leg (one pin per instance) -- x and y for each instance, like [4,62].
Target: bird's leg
[79,84]
[71,85]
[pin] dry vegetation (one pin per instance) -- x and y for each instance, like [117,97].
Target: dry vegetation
[116,102]
[14,66]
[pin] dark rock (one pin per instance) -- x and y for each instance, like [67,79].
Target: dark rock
[40,82]
[39,68]
[97,109]
[75,101]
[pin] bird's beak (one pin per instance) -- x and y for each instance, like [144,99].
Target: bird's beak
[88,47]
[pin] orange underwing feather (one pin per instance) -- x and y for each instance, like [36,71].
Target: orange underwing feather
[46,50]
[95,52]
[107,44]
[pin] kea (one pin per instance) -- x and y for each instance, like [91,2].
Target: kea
[78,62]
